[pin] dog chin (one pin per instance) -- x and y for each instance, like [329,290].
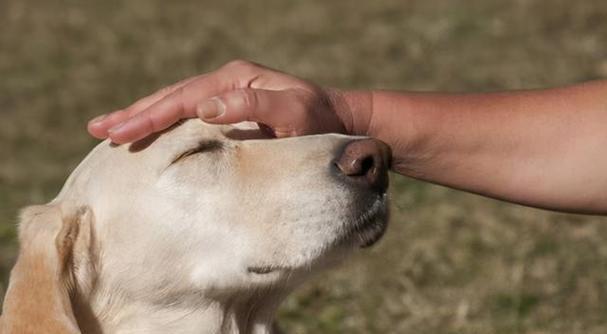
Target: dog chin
[369,226]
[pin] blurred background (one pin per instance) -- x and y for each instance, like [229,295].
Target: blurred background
[451,262]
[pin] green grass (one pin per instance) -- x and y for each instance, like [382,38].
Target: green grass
[451,262]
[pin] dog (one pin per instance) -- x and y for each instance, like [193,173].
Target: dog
[200,229]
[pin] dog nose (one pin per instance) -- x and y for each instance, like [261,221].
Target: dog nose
[366,162]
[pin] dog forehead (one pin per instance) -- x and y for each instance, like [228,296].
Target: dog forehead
[187,130]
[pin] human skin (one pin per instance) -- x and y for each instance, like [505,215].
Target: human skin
[542,148]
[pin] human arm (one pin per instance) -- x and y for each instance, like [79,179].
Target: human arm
[542,148]
[238,91]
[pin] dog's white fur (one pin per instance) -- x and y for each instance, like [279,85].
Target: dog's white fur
[152,240]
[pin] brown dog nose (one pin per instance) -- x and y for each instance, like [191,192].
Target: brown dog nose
[366,162]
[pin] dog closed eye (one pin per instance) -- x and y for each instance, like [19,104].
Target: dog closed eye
[202,147]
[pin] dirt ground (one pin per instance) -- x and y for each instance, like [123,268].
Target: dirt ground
[451,262]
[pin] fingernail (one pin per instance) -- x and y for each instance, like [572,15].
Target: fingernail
[211,108]
[98,118]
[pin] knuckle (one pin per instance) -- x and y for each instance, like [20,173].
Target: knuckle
[165,90]
[179,91]
[248,99]
[137,106]
[118,115]
[153,121]
[178,94]
[238,63]
[242,67]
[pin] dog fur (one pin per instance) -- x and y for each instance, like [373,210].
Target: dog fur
[201,229]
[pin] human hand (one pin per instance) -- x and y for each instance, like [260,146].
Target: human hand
[239,91]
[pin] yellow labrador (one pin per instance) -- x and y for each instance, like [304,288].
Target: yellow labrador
[195,231]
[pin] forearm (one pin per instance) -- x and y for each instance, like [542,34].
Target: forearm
[540,148]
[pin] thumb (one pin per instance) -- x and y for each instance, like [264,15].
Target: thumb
[248,104]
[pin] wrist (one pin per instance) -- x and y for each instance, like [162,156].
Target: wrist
[354,109]
[402,121]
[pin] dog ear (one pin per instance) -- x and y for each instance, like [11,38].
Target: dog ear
[54,268]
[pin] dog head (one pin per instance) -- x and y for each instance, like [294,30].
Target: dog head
[200,210]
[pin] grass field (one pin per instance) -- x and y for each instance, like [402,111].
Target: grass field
[451,262]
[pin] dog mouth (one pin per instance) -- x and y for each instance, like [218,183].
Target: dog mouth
[363,230]
[368,228]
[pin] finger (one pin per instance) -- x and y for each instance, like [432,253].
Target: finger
[164,113]
[275,109]
[99,126]
[149,100]
[182,102]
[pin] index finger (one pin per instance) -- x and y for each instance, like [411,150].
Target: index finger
[179,104]
[98,127]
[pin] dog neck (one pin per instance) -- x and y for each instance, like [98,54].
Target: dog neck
[251,313]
